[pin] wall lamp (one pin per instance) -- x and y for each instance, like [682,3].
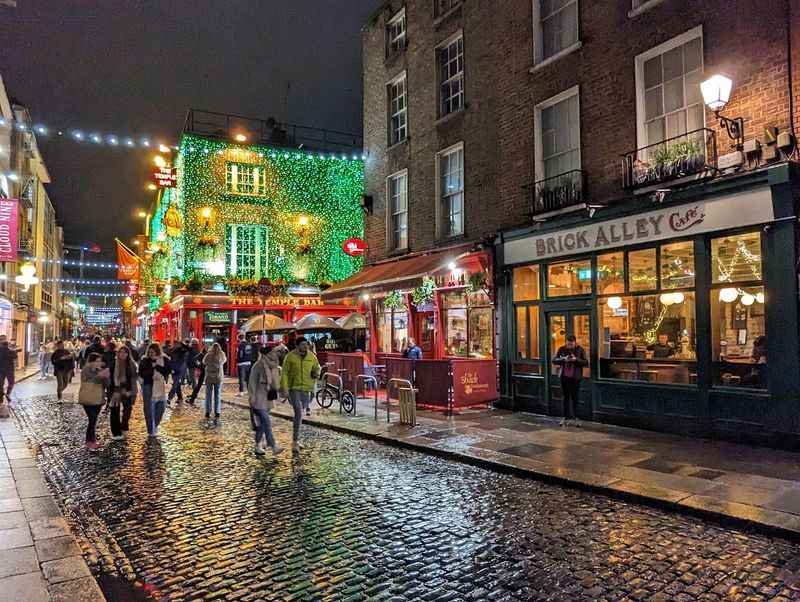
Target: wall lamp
[716,92]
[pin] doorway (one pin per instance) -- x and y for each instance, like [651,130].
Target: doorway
[426,331]
[560,324]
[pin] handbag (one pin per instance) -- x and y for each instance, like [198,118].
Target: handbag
[90,394]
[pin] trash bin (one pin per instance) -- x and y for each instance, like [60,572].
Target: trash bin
[408,406]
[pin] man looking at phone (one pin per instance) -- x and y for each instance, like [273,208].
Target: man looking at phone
[571,358]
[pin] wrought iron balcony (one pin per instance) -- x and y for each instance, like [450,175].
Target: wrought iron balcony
[270,132]
[559,193]
[692,155]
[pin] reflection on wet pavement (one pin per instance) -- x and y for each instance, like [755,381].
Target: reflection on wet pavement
[196,516]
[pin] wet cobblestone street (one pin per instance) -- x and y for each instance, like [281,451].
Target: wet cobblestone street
[197,516]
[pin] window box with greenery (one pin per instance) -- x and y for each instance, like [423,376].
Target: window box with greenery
[692,154]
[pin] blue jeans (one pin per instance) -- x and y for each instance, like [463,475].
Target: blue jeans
[264,427]
[244,376]
[213,389]
[177,378]
[299,400]
[153,409]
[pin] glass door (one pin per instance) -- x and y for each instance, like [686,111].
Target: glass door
[560,324]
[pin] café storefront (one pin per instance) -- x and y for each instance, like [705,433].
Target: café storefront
[687,309]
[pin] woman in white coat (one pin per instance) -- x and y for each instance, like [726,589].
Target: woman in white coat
[265,380]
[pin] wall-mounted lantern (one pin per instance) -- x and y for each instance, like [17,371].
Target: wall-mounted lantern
[716,92]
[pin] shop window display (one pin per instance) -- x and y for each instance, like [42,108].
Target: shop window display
[526,283]
[738,332]
[677,265]
[611,273]
[649,338]
[469,329]
[569,278]
[642,273]
[392,330]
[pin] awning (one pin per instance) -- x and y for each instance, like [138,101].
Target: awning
[394,273]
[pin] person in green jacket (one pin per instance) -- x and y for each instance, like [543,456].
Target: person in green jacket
[298,377]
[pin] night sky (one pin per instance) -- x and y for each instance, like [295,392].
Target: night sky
[134,67]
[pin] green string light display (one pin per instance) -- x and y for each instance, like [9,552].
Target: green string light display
[310,205]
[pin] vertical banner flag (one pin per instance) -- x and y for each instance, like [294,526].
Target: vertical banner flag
[127,263]
[8,229]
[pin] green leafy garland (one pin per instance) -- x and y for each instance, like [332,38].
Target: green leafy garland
[424,292]
[394,300]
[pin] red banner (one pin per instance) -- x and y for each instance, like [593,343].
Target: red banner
[127,264]
[8,229]
[474,381]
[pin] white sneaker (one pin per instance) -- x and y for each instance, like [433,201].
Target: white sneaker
[259,451]
[563,422]
[276,450]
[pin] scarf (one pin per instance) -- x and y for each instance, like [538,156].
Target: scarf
[120,373]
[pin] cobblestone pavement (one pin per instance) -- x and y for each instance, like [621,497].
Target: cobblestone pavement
[196,516]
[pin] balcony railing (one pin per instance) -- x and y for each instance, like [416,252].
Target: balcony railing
[690,155]
[559,193]
[270,132]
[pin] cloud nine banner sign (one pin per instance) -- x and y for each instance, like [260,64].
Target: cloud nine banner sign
[716,213]
[9,213]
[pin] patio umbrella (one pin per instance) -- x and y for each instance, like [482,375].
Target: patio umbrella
[316,322]
[352,321]
[266,323]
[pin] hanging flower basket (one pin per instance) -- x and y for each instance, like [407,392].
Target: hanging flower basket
[424,292]
[394,300]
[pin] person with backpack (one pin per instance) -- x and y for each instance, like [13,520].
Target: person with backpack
[91,395]
[63,366]
[262,386]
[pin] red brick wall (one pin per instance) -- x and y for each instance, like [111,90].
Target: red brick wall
[745,39]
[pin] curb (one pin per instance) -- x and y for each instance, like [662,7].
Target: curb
[555,479]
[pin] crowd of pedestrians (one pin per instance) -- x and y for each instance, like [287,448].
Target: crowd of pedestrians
[115,373]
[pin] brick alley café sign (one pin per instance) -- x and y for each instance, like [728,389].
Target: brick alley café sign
[165,177]
[716,213]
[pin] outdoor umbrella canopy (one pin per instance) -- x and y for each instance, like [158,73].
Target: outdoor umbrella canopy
[266,323]
[352,321]
[316,322]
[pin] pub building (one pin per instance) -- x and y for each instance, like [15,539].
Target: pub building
[686,303]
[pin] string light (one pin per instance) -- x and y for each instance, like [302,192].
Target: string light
[92,293]
[79,281]
[79,134]
[74,262]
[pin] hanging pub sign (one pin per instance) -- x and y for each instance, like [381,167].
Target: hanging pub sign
[165,177]
[354,247]
[8,229]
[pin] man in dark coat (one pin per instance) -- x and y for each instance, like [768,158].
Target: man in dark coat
[8,363]
[571,358]
[177,355]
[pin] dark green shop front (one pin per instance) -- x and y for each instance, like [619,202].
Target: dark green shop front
[687,306]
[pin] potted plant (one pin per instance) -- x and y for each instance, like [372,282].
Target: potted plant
[424,292]
[394,300]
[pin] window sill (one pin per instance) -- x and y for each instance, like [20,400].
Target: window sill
[643,8]
[450,116]
[560,54]
[446,240]
[397,145]
[437,22]
[398,252]
[392,58]
[646,383]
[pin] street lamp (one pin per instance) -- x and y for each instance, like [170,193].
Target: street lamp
[716,92]
[159,161]
[151,186]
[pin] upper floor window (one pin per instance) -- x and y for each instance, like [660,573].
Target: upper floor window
[669,102]
[555,27]
[246,251]
[397,192]
[558,139]
[450,60]
[396,33]
[450,167]
[442,7]
[398,109]
[245,178]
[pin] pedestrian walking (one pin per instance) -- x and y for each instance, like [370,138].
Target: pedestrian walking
[262,386]
[154,371]
[44,361]
[123,392]
[200,371]
[63,366]
[245,356]
[178,355]
[571,358]
[96,346]
[298,378]
[191,363]
[91,395]
[8,364]
[214,361]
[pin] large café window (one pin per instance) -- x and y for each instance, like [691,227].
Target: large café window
[526,317]
[392,328]
[469,331]
[647,330]
[738,335]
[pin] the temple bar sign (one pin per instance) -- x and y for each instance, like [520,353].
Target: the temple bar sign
[730,211]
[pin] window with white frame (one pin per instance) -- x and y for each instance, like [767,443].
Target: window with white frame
[398,109]
[396,33]
[442,7]
[246,251]
[669,102]
[245,178]
[558,135]
[555,27]
[397,193]
[450,62]
[450,167]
